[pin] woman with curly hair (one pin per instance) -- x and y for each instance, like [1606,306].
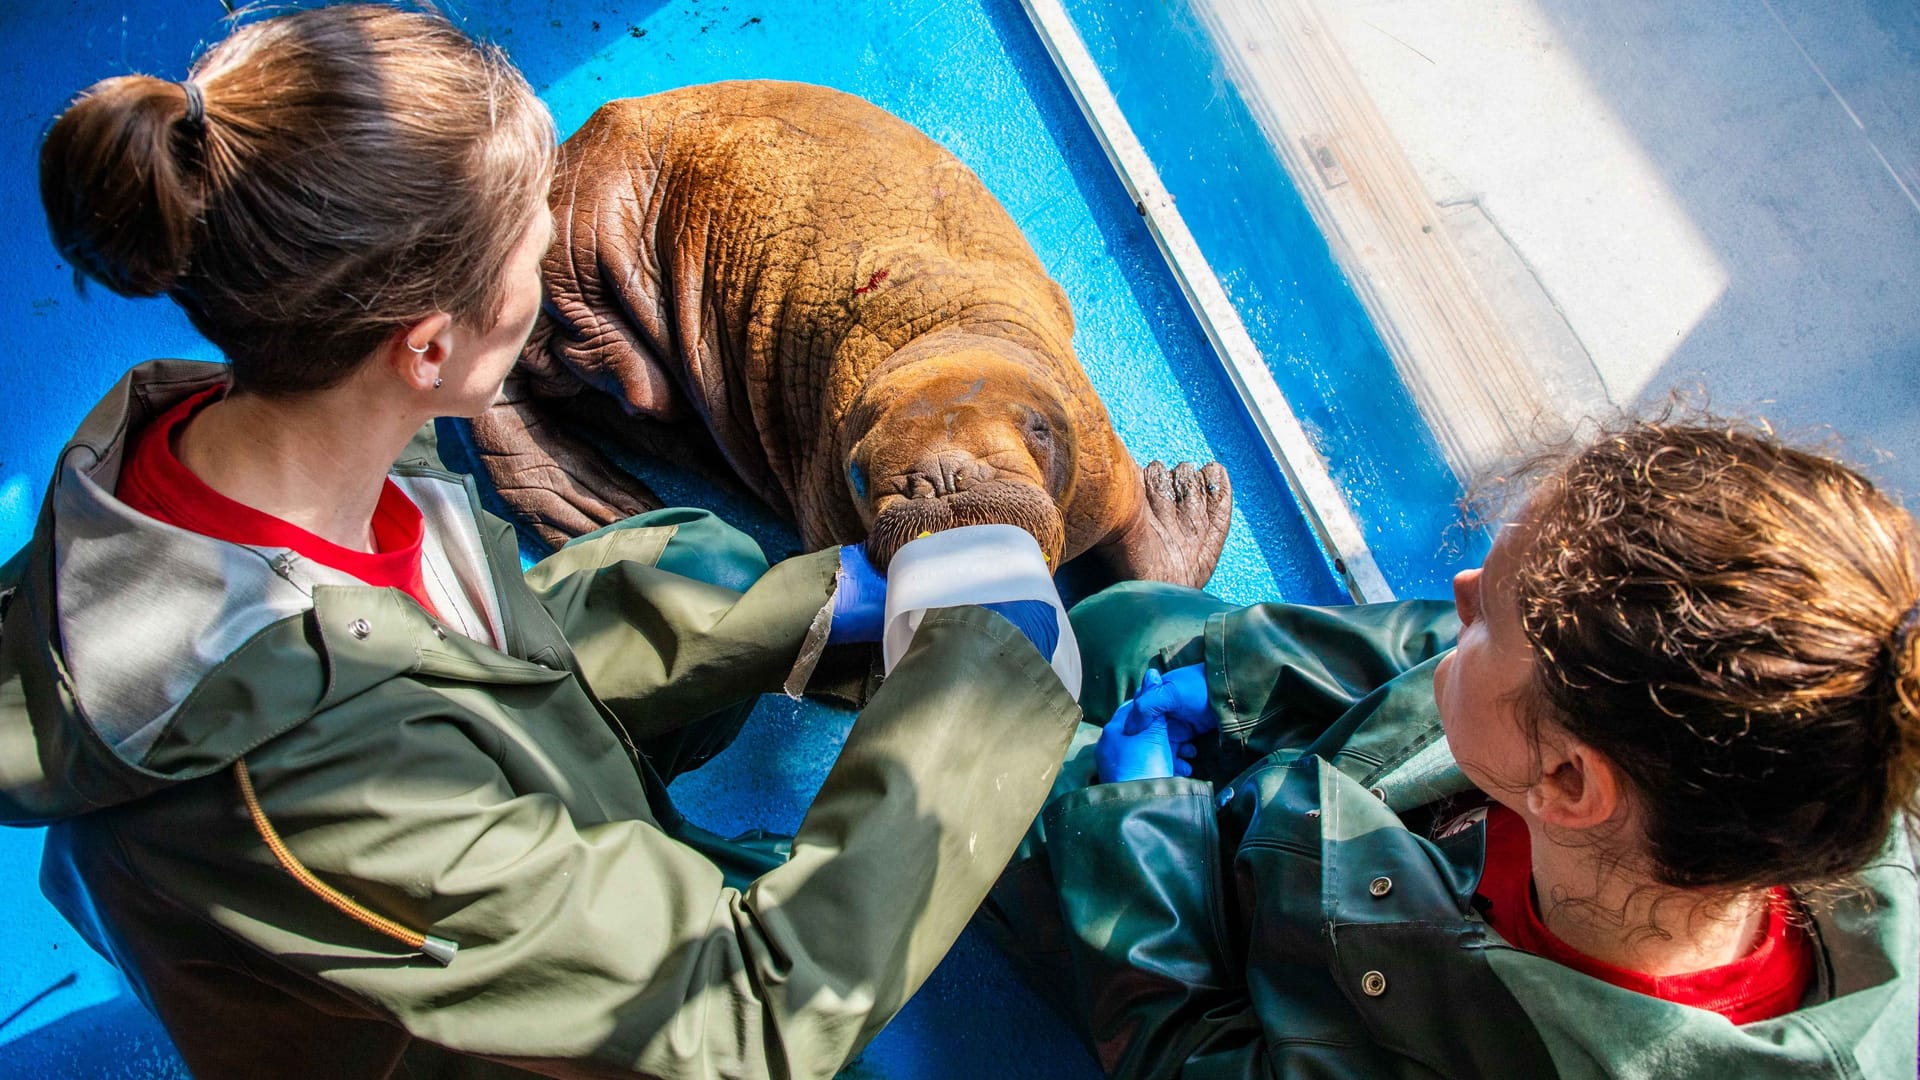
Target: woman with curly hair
[1635,804]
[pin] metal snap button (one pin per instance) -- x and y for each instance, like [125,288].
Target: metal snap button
[439,631]
[1373,984]
[1380,886]
[1378,793]
[360,628]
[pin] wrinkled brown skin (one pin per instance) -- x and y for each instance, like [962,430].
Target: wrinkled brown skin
[833,295]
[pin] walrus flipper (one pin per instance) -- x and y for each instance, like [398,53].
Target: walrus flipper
[554,485]
[1181,527]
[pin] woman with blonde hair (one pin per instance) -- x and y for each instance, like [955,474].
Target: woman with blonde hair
[340,790]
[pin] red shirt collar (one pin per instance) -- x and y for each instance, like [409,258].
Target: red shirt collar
[156,483]
[1770,981]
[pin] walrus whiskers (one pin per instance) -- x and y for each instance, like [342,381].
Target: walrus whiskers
[992,503]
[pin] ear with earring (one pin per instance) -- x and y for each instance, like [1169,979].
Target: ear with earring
[421,350]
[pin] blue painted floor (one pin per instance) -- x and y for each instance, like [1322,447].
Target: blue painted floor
[969,72]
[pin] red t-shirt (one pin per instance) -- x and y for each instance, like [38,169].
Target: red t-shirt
[1770,981]
[155,483]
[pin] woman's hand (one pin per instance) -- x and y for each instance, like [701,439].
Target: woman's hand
[1035,619]
[859,599]
[1152,734]
[860,607]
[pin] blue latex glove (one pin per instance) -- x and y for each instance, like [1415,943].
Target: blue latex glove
[1034,618]
[1180,697]
[1152,734]
[859,599]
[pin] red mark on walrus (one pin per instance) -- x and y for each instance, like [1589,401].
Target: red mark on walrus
[878,277]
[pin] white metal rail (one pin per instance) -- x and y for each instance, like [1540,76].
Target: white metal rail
[1306,472]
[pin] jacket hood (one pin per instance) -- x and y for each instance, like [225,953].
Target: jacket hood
[134,654]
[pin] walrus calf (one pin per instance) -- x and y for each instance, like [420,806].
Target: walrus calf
[863,330]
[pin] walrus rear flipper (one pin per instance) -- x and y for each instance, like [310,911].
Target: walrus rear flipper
[1180,529]
[555,486]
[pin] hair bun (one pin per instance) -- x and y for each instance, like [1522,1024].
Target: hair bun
[117,181]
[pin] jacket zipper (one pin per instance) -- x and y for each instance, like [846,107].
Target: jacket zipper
[510,633]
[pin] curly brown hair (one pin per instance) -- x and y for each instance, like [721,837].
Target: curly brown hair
[321,180]
[1732,622]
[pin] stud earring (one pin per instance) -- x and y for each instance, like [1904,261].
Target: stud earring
[437,382]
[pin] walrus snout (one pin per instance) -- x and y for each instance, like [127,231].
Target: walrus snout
[945,472]
[900,518]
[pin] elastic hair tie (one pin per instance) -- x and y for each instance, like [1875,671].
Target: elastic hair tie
[196,104]
[1908,623]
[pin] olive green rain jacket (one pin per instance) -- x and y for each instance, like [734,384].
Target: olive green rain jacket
[1296,920]
[328,835]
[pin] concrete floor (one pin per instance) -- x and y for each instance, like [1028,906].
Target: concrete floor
[1721,195]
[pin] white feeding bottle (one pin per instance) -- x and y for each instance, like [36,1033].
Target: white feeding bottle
[974,564]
